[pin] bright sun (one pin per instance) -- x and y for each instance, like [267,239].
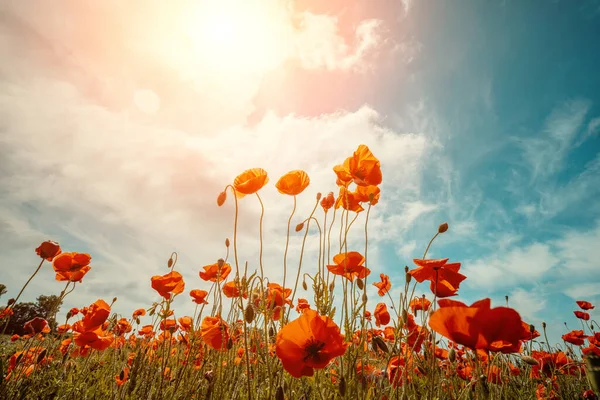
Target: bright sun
[238,34]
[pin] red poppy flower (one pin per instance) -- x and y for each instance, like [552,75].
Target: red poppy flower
[217,271]
[185,323]
[231,290]
[37,325]
[293,183]
[368,194]
[277,298]
[445,278]
[527,334]
[215,332]
[122,377]
[94,317]
[419,303]
[48,250]
[310,341]
[582,315]
[97,339]
[363,168]
[71,266]
[585,305]
[250,181]
[327,202]
[384,286]
[382,316]
[199,296]
[168,284]
[122,327]
[478,326]
[576,337]
[349,265]
[140,312]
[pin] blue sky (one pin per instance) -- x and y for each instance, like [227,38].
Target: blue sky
[484,114]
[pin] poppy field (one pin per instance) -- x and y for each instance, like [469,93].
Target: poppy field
[315,334]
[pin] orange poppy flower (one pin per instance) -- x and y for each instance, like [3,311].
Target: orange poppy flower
[527,334]
[277,298]
[94,316]
[231,290]
[419,303]
[582,315]
[368,194]
[199,296]
[168,284]
[310,341]
[140,312]
[384,286]
[37,325]
[447,275]
[123,376]
[585,305]
[382,316]
[48,250]
[478,326]
[215,332]
[293,183]
[97,339]
[122,327]
[71,266]
[302,305]
[348,201]
[146,330]
[363,168]
[250,181]
[185,323]
[349,265]
[327,202]
[168,325]
[217,271]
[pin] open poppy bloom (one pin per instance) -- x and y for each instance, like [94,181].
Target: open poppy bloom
[368,194]
[71,266]
[310,341]
[384,286]
[478,326]
[348,201]
[362,168]
[168,284]
[122,377]
[382,316]
[215,332]
[582,315]
[199,296]
[94,317]
[302,305]
[293,183]
[327,202]
[576,337]
[140,312]
[231,289]
[250,181]
[48,250]
[445,278]
[37,325]
[277,298]
[585,305]
[528,333]
[97,339]
[349,265]
[215,272]
[419,303]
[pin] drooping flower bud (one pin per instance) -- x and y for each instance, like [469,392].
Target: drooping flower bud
[443,227]
[221,198]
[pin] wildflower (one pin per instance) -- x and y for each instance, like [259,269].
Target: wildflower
[382,316]
[37,325]
[302,305]
[419,303]
[582,315]
[293,183]
[327,202]
[123,376]
[215,272]
[349,265]
[48,250]
[277,298]
[362,168]
[575,337]
[445,278]
[250,181]
[231,289]
[168,284]
[215,332]
[140,312]
[185,323]
[71,266]
[168,325]
[122,327]
[384,286]
[348,201]
[478,326]
[310,341]
[585,305]
[199,296]
[221,198]
[94,317]
[368,194]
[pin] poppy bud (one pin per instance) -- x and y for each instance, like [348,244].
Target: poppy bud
[221,198]
[404,316]
[227,242]
[48,250]
[10,302]
[543,325]
[381,344]
[408,278]
[406,268]
[531,328]
[443,227]
[342,386]
[114,300]
[41,356]
[279,395]
[170,262]
[271,331]
[229,344]
[122,375]
[530,360]
[300,226]
[319,196]
[452,354]
[304,285]
[249,314]
[360,284]
[331,286]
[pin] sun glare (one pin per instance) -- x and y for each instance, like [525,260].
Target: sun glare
[240,35]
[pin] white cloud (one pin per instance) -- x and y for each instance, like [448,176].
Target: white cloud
[529,303]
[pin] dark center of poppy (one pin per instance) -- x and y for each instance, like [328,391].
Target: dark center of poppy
[312,349]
